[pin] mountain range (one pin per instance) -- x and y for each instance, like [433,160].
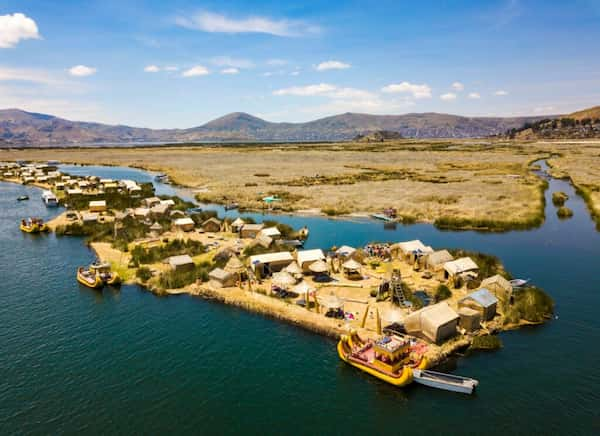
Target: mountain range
[20,128]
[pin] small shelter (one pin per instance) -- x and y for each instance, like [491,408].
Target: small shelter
[283,279]
[270,232]
[482,301]
[151,201]
[294,269]
[237,225]
[352,269]
[184,224]
[168,202]
[345,251]
[331,303]
[212,225]
[236,267]
[458,267]
[411,250]
[74,191]
[265,264]
[305,290]
[436,260]
[250,230]
[306,257]
[499,286]
[219,278]
[319,267]
[156,228]
[89,217]
[181,263]
[176,213]
[469,319]
[97,206]
[159,209]
[435,323]
[141,212]
[263,240]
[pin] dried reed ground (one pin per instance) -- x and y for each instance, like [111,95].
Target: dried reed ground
[426,181]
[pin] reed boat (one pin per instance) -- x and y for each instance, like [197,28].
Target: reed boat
[231,206]
[388,358]
[88,277]
[102,270]
[33,225]
[448,382]
[23,197]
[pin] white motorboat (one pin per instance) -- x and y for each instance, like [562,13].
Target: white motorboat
[448,382]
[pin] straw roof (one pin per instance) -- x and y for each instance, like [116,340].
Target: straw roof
[351,265]
[156,226]
[331,301]
[345,250]
[234,265]
[238,222]
[318,267]
[302,288]
[293,268]
[283,279]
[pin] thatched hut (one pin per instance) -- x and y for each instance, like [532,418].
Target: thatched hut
[181,263]
[306,257]
[499,286]
[250,230]
[220,278]
[212,225]
[184,224]
[410,250]
[435,261]
[460,267]
[483,301]
[469,319]
[237,225]
[436,323]
[352,269]
[265,264]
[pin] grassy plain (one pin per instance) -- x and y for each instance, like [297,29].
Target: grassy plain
[466,183]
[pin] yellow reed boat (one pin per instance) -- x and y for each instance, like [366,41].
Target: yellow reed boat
[388,358]
[33,225]
[88,277]
[102,269]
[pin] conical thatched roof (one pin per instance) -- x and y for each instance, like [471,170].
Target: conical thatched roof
[302,288]
[234,265]
[318,267]
[330,301]
[238,222]
[283,279]
[156,226]
[293,268]
[351,265]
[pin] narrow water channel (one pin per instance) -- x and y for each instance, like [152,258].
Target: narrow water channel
[75,360]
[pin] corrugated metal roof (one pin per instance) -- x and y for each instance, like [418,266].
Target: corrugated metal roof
[483,297]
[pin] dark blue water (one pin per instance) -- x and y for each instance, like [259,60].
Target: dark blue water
[75,360]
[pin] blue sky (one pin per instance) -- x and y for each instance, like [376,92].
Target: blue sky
[181,63]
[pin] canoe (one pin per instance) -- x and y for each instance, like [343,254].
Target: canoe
[89,279]
[448,382]
[23,197]
[517,283]
[379,216]
[33,227]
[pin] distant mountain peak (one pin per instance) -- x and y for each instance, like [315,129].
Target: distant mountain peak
[236,121]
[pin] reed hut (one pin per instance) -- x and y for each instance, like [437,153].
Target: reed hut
[470,319]
[294,269]
[151,201]
[410,251]
[499,286]
[460,267]
[436,260]
[159,209]
[319,267]
[236,267]
[435,323]
[345,251]
[352,269]
[141,212]
[270,232]
[306,257]
[483,301]
[265,264]
[184,224]
[237,225]
[97,206]
[212,225]
[181,263]
[283,280]
[250,231]
[332,304]
[220,278]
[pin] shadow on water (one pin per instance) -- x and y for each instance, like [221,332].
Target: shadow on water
[75,360]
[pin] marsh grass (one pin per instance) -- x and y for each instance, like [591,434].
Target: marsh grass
[531,304]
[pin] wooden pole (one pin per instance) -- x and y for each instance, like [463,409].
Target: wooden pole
[378,321]
[363,321]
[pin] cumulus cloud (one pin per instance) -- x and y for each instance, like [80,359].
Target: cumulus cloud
[230,70]
[501,93]
[218,23]
[226,61]
[417,91]
[306,91]
[152,69]
[474,95]
[332,65]
[198,70]
[457,86]
[82,71]
[15,28]
[449,96]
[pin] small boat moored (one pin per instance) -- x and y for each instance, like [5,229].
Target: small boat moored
[88,277]
[519,283]
[102,270]
[33,225]
[231,206]
[23,197]
[448,382]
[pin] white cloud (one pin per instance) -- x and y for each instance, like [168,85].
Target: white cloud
[226,61]
[501,93]
[417,91]
[26,75]
[198,70]
[449,96]
[151,69]
[82,71]
[230,70]
[332,65]
[474,95]
[306,91]
[217,23]
[457,86]
[16,27]
[295,73]
[277,62]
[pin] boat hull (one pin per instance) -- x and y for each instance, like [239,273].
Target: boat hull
[96,284]
[34,228]
[461,385]
[344,348]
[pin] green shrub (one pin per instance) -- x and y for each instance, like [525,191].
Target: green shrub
[143,273]
[564,212]
[488,265]
[486,342]
[142,255]
[530,304]
[442,293]
[559,198]
[178,279]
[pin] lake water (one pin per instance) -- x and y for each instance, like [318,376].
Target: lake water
[76,360]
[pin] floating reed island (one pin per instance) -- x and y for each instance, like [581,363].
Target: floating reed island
[443,300]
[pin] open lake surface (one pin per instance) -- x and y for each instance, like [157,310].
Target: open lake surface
[77,360]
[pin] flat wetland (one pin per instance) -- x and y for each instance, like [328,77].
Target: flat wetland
[456,183]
